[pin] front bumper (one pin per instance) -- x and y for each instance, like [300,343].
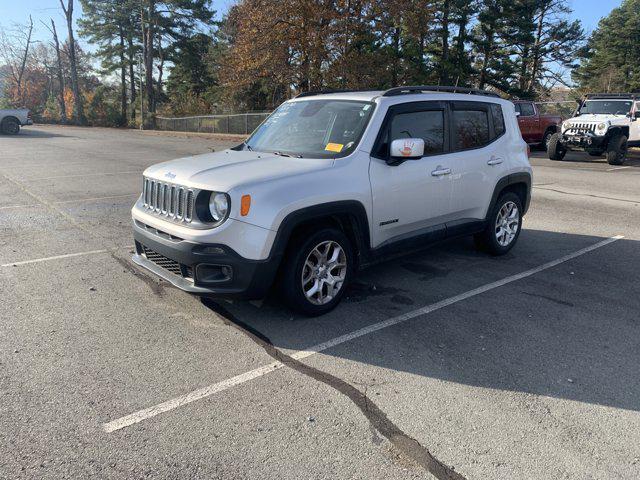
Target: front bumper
[202,269]
[583,141]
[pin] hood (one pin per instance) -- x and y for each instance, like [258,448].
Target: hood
[222,171]
[598,118]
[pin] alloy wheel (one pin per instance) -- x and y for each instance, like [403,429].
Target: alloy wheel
[507,224]
[324,272]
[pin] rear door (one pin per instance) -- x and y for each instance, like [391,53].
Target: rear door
[410,197]
[478,137]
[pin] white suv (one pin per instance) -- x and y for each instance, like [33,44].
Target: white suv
[331,182]
[604,123]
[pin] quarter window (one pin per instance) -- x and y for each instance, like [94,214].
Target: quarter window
[427,125]
[470,129]
[498,119]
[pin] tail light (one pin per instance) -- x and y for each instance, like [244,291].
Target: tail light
[528,151]
[29,114]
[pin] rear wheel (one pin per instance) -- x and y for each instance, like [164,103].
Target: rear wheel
[503,225]
[555,150]
[10,126]
[617,149]
[316,271]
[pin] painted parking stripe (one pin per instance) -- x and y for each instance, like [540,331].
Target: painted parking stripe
[76,200]
[204,392]
[56,257]
[137,172]
[68,255]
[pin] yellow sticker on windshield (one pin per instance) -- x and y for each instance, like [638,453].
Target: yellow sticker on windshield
[334,147]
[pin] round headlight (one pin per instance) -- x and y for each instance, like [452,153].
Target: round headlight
[602,126]
[219,206]
[566,125]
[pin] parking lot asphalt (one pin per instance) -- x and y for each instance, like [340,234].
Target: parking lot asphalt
[445,363]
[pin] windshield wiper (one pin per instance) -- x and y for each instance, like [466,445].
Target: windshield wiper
[280,154]
[247,146]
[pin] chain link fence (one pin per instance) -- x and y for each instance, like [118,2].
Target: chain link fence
[235,124]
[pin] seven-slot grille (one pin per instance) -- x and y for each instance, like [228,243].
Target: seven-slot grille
[166,263]
[172,201]
[582,127]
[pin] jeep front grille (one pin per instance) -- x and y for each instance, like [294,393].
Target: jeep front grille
[171,201]
[582,128]
[168,264]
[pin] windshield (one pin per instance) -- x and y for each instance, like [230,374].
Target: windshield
[312,128]
[606,107]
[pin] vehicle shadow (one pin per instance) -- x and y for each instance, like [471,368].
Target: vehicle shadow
[33,132]
[555,333]
[633,159]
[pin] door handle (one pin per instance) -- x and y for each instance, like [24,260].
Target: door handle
[440,171]
[495,161]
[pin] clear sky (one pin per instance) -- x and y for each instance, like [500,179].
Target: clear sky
[588,11]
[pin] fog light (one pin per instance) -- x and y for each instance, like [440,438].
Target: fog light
[206,273]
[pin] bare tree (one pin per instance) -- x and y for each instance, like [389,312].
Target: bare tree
[59,73]
[14,49]
[78,110]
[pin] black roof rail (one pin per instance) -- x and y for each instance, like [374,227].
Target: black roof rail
[612,95]
[324,92]
[393,92]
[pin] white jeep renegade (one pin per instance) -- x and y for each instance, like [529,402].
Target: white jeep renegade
[331,182]
[604,123]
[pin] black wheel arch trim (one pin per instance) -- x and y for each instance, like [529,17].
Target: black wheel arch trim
[512,179]
[353,209]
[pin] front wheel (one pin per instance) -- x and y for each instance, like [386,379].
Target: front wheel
[555,150]
[10,126]
[503,225]
[546,138]
[617,149]
[316,271]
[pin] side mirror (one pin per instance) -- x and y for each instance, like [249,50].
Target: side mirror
[407,148]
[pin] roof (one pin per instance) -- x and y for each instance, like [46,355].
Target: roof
[457,93]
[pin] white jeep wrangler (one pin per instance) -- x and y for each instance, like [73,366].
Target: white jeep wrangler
[331,182]
[604,123]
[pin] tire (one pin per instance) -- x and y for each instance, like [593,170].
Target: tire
[299,277]
[495,239]
[10,126]
[545,139]
[555,150]
[617,149]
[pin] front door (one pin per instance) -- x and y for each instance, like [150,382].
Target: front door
[529,122]
[414,196]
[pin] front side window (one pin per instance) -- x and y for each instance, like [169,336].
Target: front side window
[312,129]
[427,125]
[606,107]
[470,129]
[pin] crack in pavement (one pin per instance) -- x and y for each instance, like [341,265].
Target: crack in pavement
[586,195]
[376,417]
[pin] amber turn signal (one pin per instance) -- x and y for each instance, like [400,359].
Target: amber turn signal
[245,205]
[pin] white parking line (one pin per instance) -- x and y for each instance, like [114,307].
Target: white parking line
[616,168]
[56,257]
[76,200]
[204,392]
[138,172]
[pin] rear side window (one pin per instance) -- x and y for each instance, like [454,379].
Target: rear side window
[498,119]
[427,125]
[470,128]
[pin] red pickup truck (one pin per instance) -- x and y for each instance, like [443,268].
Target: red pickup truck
[536,129]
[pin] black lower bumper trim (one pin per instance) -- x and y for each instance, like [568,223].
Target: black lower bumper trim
[204,269]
